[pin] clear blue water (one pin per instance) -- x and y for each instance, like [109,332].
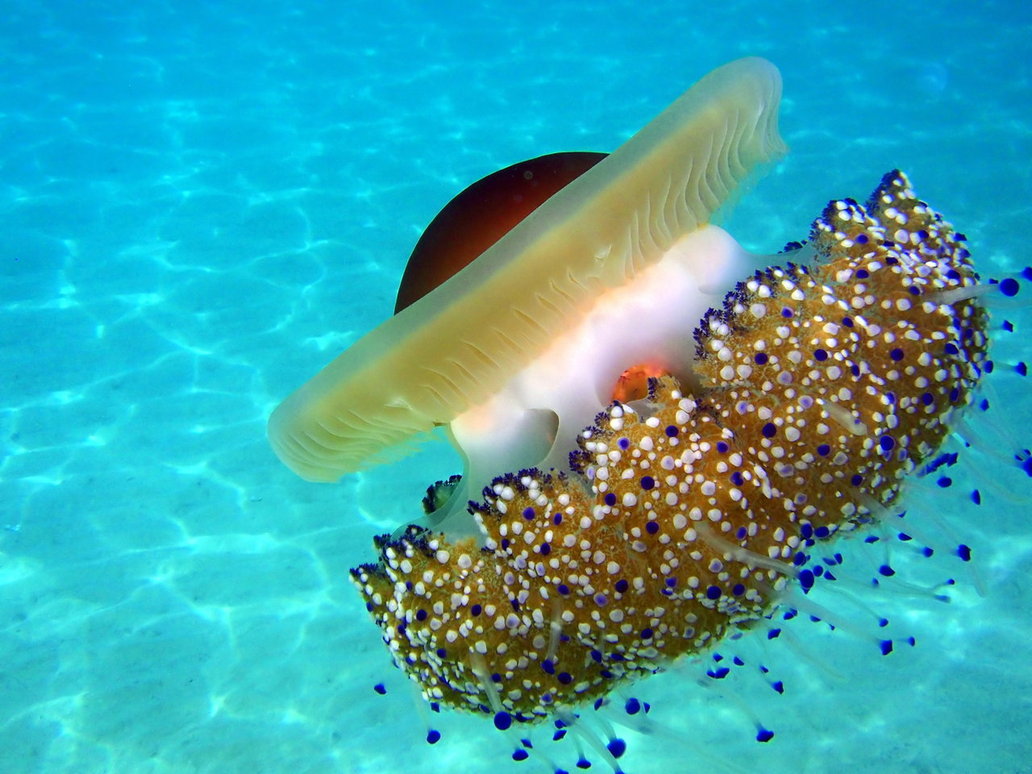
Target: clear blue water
[202,203]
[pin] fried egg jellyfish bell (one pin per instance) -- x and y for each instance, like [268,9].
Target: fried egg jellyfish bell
[519,348]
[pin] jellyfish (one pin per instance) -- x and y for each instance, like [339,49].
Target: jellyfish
[656,426]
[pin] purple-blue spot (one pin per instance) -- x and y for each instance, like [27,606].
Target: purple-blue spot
[806,579]
[616,747]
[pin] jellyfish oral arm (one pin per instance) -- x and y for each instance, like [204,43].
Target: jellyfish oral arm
[822,387]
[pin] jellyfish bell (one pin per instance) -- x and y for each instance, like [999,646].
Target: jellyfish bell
[516,351]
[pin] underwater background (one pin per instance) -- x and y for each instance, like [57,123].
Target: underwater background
[202,203]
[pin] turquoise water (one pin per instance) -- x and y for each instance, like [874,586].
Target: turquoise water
[201,204]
